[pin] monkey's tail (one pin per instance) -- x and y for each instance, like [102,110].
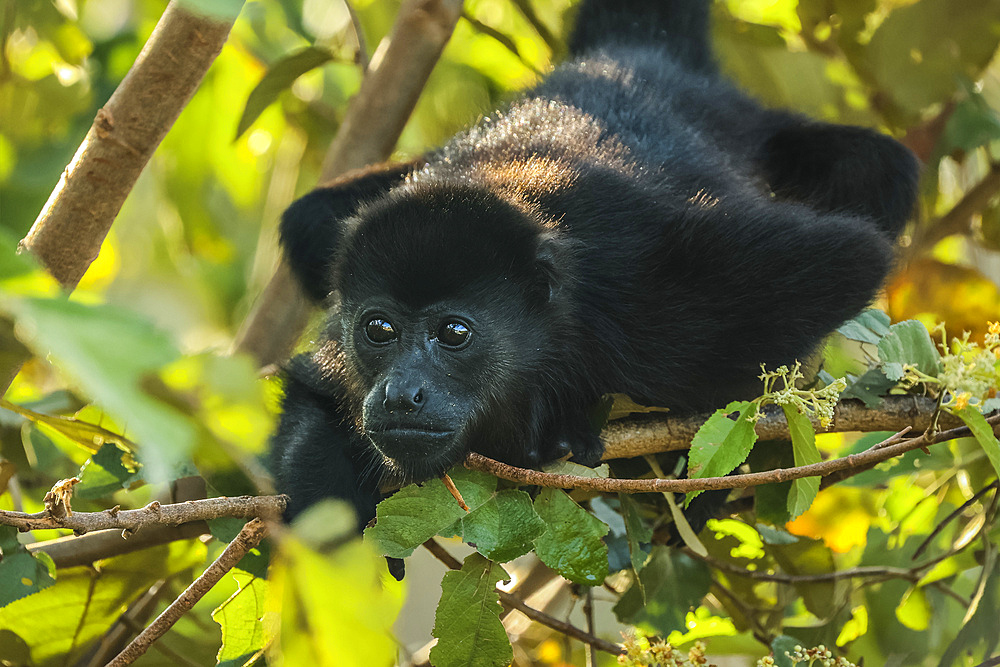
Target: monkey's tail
[680,26]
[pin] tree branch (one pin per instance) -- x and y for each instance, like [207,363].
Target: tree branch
[651,434]
[882,451]
[371,127]
[153,514]
[513,602]
[68,233]
[251,535]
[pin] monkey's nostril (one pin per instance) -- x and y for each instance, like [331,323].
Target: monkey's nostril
[418,397]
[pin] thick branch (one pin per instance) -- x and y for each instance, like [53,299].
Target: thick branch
[649,434]
[68,233]
[882,451]
[374,120]
[153,514]
[251,535]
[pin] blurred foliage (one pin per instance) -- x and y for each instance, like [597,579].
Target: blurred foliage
[133,363]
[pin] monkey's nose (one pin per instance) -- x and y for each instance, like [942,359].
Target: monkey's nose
[404,396]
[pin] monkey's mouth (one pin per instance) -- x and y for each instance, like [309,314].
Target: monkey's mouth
[412,448]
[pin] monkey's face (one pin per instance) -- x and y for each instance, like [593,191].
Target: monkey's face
[429,380]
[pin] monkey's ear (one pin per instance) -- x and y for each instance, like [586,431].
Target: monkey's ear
[555,259]
[311,227]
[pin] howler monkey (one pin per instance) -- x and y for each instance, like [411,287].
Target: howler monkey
[633,224]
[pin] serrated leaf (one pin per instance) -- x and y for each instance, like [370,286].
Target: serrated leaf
[416,513]
[908,343]
[983,434]
[571,544]
[467,622]
[803,490]
[502,528]
[240,618]
[870,388]
[279,77]
[867,327]
[668,586]
[21,573]
[721,444]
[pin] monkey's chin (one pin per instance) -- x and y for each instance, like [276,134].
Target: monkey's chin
[415,455]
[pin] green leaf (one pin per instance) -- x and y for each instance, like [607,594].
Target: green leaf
[869,388]
[721,444]
[502,528]
[21,573]
[806,556]
[983,433]
[278,78]
[672,583]
[571,544]
[868,327]
[908,343]
[781,647]
[921,51]
[76,338]
[240,618]
[639,534]
[467,623]
[226,529]
[59,622]
[416,513]
[336,609]
[104,473]
[804,450]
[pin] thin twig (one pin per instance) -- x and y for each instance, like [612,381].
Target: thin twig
[876,454]
[853,573]
[514,602]
[951,517]
[528,12]
[251,535]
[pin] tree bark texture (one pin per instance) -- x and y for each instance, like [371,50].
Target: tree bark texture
[68,233]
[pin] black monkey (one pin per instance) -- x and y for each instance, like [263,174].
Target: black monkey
[633,224]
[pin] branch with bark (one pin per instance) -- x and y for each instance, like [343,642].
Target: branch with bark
[153,514]
[375,118]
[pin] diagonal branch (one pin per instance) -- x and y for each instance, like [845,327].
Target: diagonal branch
[374,120]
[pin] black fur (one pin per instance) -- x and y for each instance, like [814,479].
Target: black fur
[634,224]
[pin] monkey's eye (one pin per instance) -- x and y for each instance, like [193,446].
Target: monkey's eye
[454,334]
[379,331]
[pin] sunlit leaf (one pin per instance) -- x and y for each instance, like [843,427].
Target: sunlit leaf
[59,622]
[983,433]
[335,609]
[240,618]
